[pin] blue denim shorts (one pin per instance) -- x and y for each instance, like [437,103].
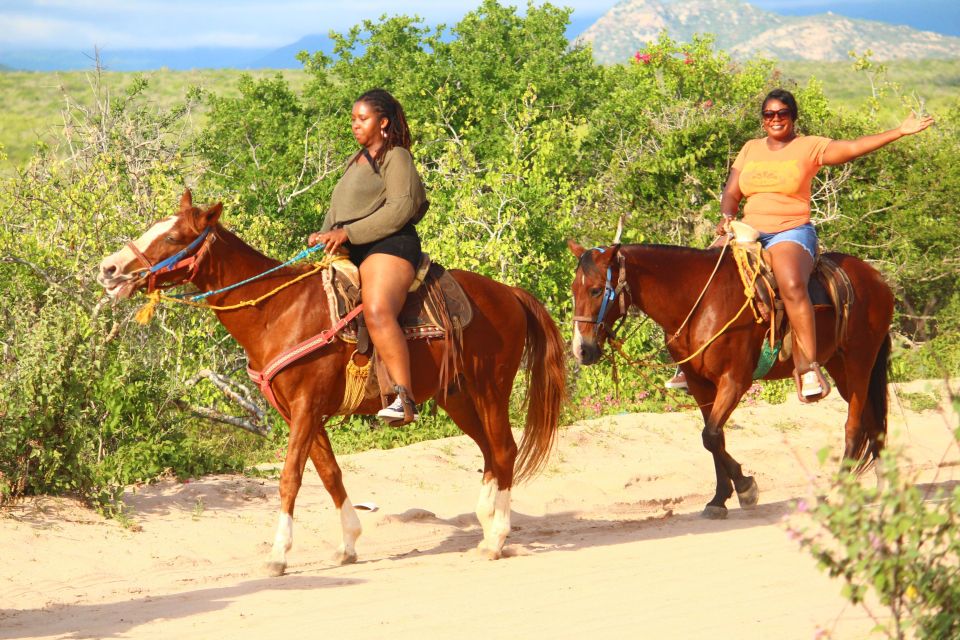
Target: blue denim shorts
[804,235]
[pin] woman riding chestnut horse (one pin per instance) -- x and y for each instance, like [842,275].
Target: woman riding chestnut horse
[274,315]
[698,301]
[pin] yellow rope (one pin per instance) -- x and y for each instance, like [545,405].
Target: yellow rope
[146,311]
[748,276]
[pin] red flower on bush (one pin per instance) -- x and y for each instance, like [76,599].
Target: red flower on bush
[642,57]
[688,59]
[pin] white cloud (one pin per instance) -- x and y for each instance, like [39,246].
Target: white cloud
[223,23]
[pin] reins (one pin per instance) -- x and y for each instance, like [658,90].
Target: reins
[155,293]
[748,276]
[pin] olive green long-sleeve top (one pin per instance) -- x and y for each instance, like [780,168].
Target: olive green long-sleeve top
[371,206]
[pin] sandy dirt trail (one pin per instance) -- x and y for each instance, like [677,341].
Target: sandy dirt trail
[607,543]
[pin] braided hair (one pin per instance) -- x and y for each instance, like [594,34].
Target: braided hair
[397,132]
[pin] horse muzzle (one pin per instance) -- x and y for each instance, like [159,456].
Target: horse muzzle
[114,280]
[585,349]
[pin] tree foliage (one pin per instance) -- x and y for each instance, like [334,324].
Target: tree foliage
[522,140]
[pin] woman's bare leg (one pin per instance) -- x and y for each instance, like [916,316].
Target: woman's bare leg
[384,281]
[792,266]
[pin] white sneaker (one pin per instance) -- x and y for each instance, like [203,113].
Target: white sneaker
[678,381]
[395,411]
[810,384]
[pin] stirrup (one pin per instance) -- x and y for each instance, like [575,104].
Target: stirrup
[812,385]
[402,410]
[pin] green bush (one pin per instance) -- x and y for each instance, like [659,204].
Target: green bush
[523,142]
[899,542]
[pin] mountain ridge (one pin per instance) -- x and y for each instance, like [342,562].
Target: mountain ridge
[745,30]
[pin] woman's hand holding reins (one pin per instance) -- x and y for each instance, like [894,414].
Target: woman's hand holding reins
[723,227]
[332,240]
[913,124]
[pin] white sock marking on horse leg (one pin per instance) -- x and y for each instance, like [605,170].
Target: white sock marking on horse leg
[351,527]
[486,505]
[283,540]
[500,527]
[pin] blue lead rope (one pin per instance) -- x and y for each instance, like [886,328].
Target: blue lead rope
[200,296]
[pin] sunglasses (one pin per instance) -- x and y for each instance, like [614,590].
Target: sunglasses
[783,114]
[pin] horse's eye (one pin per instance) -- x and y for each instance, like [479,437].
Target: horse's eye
[170,239]
[596,291]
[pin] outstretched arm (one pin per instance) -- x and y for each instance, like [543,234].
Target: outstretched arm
[840,151]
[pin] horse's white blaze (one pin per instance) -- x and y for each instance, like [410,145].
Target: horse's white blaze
[350,524]
[577,345]
[283,540]
[119,263]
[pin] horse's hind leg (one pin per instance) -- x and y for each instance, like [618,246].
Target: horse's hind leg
[853,383]
[493,505]
[321,453]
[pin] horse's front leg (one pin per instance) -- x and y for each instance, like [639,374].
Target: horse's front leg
[326,463]
[291,477]
[716,404]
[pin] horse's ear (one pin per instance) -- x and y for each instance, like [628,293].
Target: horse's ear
[576,248]
[209,217]
[186,200]
[605,257]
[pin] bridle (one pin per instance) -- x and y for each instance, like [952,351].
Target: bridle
[610,295]
[184,260]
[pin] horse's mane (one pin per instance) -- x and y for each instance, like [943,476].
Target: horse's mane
[239,243]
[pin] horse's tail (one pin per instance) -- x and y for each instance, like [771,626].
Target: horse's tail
[545,362]
[875,423]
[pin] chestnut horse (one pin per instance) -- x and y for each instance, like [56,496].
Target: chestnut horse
[665,282]
[509,326]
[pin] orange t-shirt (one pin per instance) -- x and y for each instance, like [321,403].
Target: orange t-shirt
[777,183]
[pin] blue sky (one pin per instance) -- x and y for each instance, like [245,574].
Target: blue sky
[181,24]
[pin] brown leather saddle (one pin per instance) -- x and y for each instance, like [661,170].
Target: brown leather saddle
[829,287]
[436,308]
[435,304]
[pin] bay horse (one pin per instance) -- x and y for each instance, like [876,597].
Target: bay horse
[509,328]
[664,282]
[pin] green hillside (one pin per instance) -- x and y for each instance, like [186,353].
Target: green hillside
[30,103]
[937,82]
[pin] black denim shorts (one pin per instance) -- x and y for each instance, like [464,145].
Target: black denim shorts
[405,244]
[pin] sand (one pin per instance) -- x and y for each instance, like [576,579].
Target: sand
[608,542]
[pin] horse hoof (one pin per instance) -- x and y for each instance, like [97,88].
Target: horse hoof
[750,496]
[714,513]
[275,569]
[487,552]
[342,558]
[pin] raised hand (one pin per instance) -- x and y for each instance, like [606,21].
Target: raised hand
[913,124]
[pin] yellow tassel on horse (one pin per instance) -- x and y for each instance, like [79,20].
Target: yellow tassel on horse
[145,313]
